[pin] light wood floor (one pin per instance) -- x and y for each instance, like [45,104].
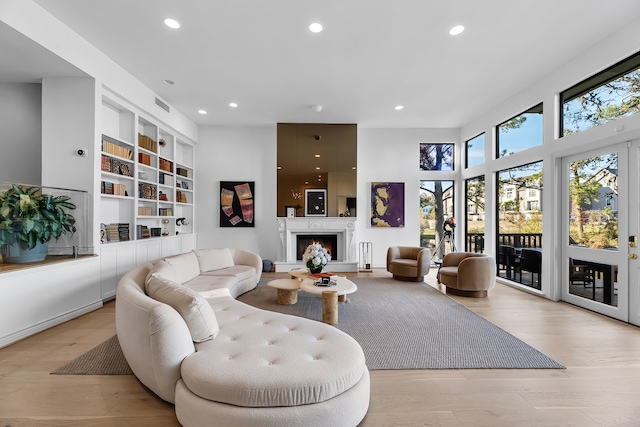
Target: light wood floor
[600,387]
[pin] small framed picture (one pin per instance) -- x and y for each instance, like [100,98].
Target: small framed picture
[315,202]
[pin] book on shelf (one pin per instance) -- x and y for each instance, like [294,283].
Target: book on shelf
[181,197]
[144,158]
[182,172]
[156,232]
[147,143]
[165,212]
[145,211]
[165,179]
[107,187]
[147,191]
[117,232]
[116,150]
[166,165]
[115,166]
[142,232]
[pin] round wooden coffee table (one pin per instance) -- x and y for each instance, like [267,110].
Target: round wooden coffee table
[287,290]
[330,295]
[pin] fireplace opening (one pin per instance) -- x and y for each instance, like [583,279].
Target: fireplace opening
[328,241]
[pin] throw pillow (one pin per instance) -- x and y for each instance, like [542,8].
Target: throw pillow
[214,259]
[163,270]
[185,265]
[194,309]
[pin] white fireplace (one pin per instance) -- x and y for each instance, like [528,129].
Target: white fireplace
[344,228]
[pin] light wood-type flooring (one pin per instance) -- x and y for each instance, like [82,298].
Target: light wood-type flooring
[600,387]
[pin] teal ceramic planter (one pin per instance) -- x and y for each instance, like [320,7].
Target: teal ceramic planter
[18,253]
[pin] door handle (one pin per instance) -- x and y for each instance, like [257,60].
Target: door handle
[633,256]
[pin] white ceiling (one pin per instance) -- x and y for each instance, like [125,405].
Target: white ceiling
[371,56]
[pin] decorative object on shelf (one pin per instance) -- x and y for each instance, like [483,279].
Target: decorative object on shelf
[29,219]
[315,257]
[316,202]
[164,227]
[291,211]
[143,175]
[236,204]
[162,142]
[387,204]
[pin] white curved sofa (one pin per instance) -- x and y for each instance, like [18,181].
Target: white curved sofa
[251,367]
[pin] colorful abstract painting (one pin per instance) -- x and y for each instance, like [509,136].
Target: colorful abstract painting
[236,204]
[387,204]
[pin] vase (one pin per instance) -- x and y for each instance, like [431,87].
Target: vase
[18,253]
[316,270]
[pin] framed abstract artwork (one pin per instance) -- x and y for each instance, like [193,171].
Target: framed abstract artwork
[436,157]
[236,204]
[315,202]
[387,204]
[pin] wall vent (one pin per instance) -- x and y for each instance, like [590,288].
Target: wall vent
[162,105]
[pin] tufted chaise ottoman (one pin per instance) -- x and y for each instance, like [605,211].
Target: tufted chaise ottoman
[261,369]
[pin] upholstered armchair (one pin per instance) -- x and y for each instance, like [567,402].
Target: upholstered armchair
[408,263]
[467,273]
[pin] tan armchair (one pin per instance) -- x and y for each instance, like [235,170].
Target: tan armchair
[467,273]
[408,263]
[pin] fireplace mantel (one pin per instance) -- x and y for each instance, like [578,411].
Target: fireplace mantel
[343,227]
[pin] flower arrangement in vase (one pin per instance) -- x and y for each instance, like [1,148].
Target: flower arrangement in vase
[315,257]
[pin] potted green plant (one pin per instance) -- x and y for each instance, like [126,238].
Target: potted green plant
[29,219]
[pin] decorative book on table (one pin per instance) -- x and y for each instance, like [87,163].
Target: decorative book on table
[321,275]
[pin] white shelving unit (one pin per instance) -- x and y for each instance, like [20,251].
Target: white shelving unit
[147,176]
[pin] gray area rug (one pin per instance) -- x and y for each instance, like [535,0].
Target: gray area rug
[405,325]
[104,359]
[400,325]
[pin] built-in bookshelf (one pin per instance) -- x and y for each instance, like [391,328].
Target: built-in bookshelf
[147,177]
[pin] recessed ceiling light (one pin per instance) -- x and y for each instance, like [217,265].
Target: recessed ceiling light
[316,107]
[233,105]
[456,30]
[399,107]
[315,27]
[317,155]
[306,182]
[353,167]
[172,23]
[317,168]
[169,82]
[202,112]
[279,167]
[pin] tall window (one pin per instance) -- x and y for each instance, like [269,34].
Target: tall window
[474,150]
[519,133]
[436,157]
[593,188]
[475,214]
[436,205]
[519,207]
[607,96]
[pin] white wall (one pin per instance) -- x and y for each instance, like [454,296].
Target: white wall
[237,154]
[393,155]
[20,121]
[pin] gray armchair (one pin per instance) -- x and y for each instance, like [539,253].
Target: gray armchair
[407,263]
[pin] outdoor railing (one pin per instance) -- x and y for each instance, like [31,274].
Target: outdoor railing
[474,242]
